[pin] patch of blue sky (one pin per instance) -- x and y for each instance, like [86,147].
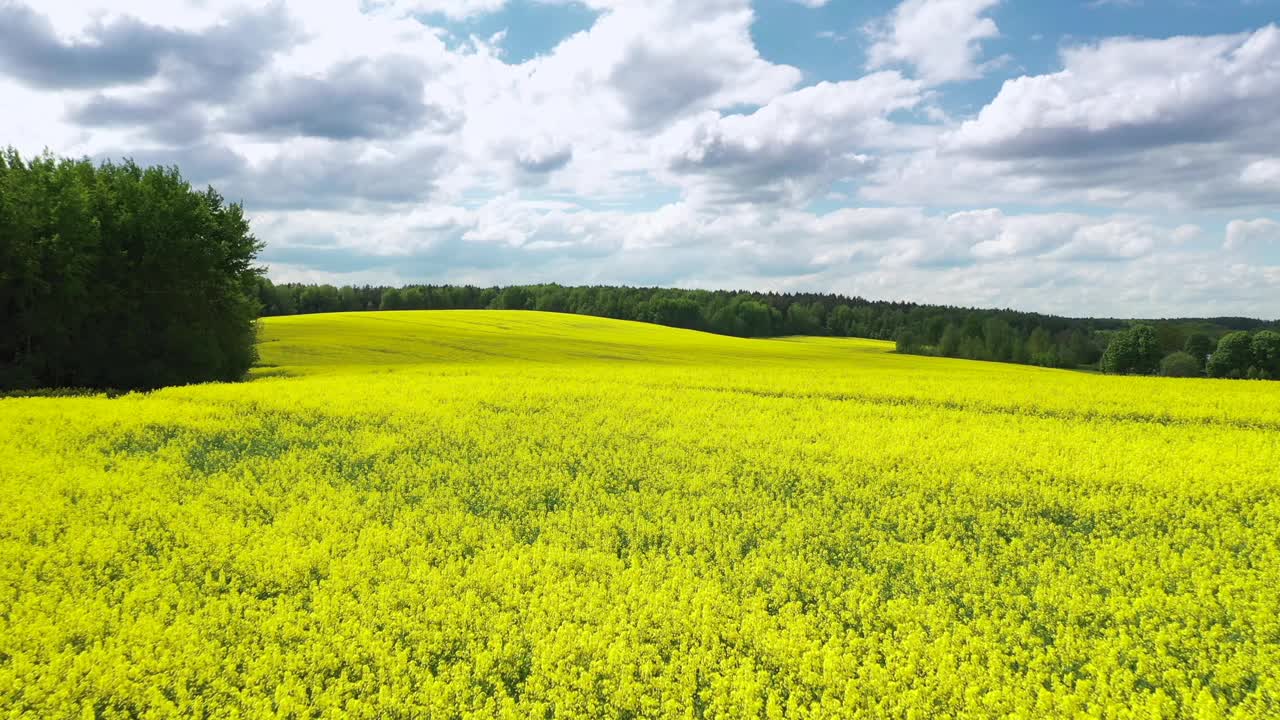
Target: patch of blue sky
[831,42]
[532,28]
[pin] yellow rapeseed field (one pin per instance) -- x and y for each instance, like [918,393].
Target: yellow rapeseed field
[474,514]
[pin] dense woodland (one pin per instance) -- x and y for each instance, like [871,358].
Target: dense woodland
[996,335]
[115,276]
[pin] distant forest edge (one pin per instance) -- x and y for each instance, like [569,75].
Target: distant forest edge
[1179,347]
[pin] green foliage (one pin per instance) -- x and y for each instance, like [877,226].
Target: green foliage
[1179,364]
[1266,354]
[392,300]
[532,515]
[1233,358]
[1199,346]
[117,276]
[949,343]
[906,342]
[514,298]
[1133,351]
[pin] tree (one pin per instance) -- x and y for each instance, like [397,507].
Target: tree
[999,339]
[949,345]
[973,349]
[1199,346]
[553,299]
[1136,350]
[392,300]
[513,298]
[118,276]
[1233,357]
[1179,364]
[1079,348]
[1041,348]
[1266,354]
[675,312]
[840,321]
[906,342]
[755,318]
[802,320]
[320,299]
[414,298]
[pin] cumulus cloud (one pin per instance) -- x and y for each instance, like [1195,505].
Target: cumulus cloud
[355,99]
[1056,262]
[454,9]
[792,147]
[1179,124]
[175,79]
[1242,234]
[126,51]
[940,39]
[1263,174]
[1127,95]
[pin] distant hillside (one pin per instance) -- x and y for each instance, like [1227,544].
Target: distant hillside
[1001,335]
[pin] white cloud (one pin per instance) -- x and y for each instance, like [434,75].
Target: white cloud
[941,39]
[793,147]
[453,9]
[1175,125]
[1242,234]
[1263,174]
[1128,94]
[1056,262]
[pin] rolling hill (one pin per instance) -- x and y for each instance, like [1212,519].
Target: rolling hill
[519,514]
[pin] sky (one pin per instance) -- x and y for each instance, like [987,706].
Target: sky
[1079,157]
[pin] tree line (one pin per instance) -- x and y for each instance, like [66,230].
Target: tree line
[981,334]
[116,276]
[972,333]
[1237,355]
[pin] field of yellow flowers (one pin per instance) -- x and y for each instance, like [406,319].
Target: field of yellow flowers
[475,514]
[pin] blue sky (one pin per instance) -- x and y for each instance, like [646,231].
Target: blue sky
[1112,157]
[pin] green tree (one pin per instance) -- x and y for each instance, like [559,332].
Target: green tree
[840,321]
[1233,357]
[1041,348]
[1266,354]
[802,320]
[552,299]
[413,298]
[949,345]
[1136,350]
[1199,346]
[118,276]
[320,299]
[392,300]
[906,341]
[513,298]
[1179,364]
[999,339]
[674,312]
[755,318]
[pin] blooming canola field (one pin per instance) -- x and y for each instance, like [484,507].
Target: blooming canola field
[490,514]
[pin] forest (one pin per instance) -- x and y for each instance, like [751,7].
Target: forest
[116,276]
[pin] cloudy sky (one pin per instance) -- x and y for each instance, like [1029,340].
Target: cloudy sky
[1108,157]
